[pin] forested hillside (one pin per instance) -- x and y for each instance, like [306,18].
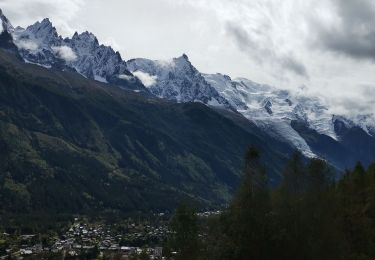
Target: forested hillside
[309,216]
[71,145]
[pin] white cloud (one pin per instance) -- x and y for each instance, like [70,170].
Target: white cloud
[26,12]
[110,41]
[27,45]
[146,78]
[278,37]
[65,53]
[268,41]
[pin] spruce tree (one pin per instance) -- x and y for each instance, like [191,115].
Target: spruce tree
[184,225]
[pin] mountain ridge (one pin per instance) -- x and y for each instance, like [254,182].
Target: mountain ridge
[74,145]
[277,112]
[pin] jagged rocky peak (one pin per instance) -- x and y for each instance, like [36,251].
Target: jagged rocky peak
[5,23]
[87,37]
[38,37]
[41,44]
[183,59]
[227,77]
[177,68]
[43,29]
[84,43]
[6,37]
[176,79]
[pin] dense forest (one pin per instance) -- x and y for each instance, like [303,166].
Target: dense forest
[309,216]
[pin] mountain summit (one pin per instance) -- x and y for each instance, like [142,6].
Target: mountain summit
[177,79]
[41,44]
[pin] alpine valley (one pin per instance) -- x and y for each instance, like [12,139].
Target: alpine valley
[83,130]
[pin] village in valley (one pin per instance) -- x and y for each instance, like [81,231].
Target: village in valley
[84,238]
[126,240]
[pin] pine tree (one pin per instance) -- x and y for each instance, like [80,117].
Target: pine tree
[354,200]
[184,224]
[249,214]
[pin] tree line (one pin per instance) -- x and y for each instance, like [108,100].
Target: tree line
[309,215]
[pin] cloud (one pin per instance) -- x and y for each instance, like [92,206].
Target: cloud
[324,45]
[65,53]
[351,32]
[1,27]
[26,12]
[262,54]
[110,41]
[311,39]
[27,45]
[146,78]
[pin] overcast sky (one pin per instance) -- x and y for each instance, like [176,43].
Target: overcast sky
[327,46]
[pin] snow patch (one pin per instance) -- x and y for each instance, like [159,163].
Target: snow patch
[213,102]
[100,79]
[125,77]
[1,28]
[65,53]
[38,64]
[147,79]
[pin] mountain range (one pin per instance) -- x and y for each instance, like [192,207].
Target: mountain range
[85,125]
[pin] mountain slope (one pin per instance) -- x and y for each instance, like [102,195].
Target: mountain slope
[70,144]
[290,118]
[302,121]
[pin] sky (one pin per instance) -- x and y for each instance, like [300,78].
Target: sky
[325,47]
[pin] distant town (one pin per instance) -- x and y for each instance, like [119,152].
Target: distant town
[89,240]
[130,238]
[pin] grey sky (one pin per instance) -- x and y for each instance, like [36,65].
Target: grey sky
[327,46]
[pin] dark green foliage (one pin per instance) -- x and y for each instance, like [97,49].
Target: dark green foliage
[184,225]
[308,217]
[249,212]
[144,256]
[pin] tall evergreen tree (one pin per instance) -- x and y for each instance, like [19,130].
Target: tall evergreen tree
[358,226]
[184,226]
[249,213]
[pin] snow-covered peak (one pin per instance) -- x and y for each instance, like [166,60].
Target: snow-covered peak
[42,34]
[43,30]
[365,122]
[274,109]
[6,38]
[85,36]
[227,89]
[41,44]
[85,42]
[45,25]
[261,102]
[176,79]
[5,23]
